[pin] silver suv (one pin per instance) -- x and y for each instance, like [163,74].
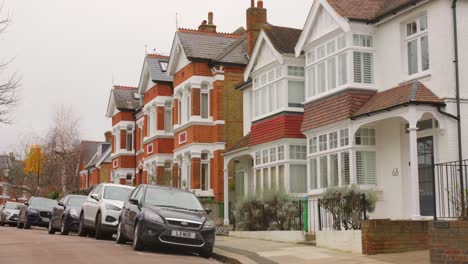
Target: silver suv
[101,210]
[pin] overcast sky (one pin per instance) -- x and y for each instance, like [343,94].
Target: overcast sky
[70,52]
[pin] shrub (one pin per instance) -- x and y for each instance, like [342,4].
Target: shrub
[271,211]
[346,206]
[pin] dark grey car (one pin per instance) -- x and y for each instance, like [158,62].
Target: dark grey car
[36,212]
[66,214]
[155,215]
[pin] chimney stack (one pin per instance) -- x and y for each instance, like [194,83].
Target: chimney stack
[108,136]
[256,18]
[208,26]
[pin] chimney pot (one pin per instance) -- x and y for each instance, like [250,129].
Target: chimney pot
[210,18]
[252,3]
[108,136]
[260,4]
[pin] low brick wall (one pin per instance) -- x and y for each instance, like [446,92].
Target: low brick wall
[391,236]
[449,242]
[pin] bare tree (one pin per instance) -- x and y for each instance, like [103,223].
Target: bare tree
[9,83]
[62,149]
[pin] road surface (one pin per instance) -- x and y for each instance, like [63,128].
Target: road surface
[36,246]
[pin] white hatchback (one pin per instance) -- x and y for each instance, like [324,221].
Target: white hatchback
[101,210]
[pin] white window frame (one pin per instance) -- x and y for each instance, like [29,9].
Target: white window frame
[418,35]
[205,162]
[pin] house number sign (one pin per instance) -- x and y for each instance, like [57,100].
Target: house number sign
[395,172]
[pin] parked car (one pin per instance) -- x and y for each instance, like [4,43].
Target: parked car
[9,214]
[101,210]
[155,215]
[66,215]
[36,212]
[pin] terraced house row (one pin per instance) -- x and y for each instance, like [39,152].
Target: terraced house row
[366,93]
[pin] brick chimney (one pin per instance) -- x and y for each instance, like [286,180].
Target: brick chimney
[208,26]
[108,136]
[256,18]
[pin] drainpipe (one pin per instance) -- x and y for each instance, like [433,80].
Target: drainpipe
[134,147]
[457,90]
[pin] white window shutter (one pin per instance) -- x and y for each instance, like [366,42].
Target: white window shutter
[357,66]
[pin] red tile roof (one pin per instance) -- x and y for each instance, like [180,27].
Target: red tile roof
[410,93]
[157,56]
[242,143]
[368,9]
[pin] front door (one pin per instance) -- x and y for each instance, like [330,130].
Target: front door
[426,175]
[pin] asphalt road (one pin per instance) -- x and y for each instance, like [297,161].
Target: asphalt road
[36,246]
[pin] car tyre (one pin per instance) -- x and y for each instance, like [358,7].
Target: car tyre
[50,229]
[64,230]
[137,242]
[206,253]
[120,238]
[82,232]
[99,235]
[19,225]
[27,224]
[1,221]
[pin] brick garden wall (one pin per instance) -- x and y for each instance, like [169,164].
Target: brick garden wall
[449,242]
[389,236]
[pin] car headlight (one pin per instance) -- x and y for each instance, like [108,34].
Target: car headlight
[74,213]
[209,224]
[8,213]
[31,211]
[112,207]
[153,217]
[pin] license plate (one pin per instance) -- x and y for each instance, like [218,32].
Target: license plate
[45,220]
[183,234]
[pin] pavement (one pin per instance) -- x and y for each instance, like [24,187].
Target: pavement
[249,251]
[18,246]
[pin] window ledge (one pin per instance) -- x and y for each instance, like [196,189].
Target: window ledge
[122,153]
[199,122]
[364,187]
[159,134]
[416,76]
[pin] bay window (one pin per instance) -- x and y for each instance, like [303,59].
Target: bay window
[366,171]
[295,93]
[129,139]
[417,45]
[298,178]
[205,172]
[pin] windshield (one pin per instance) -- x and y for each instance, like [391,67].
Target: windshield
[15,206]
[76,201]
[43,203]
[116,193]
[172,198]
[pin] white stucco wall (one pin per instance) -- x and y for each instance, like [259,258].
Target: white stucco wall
[349,240]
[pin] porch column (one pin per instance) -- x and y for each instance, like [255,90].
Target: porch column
[414,211]
[226,196]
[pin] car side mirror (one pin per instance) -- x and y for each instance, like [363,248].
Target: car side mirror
[94,196]
[208,210]
[26,203]
[61,204]
[134,201]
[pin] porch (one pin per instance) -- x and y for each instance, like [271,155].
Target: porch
[391,152]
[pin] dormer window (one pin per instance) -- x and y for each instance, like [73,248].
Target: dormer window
[417,45]
[163,66]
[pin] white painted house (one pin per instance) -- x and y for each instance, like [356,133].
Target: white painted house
[379,82]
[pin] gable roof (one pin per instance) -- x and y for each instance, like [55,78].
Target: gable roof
[240,144]
[410,93]
[97,159]
[153,63]
[368,10]
[213,46]
[87,151]
[124,98]
[284,39]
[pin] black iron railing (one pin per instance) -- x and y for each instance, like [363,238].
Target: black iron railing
[342,217]
[450,190]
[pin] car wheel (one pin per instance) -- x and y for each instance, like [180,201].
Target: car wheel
[18,225]
[137,242]
[99,233]
[50,229]
[1,221]
[82,232]
[64,228]
[120,239]
[27,224]
[206,253]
